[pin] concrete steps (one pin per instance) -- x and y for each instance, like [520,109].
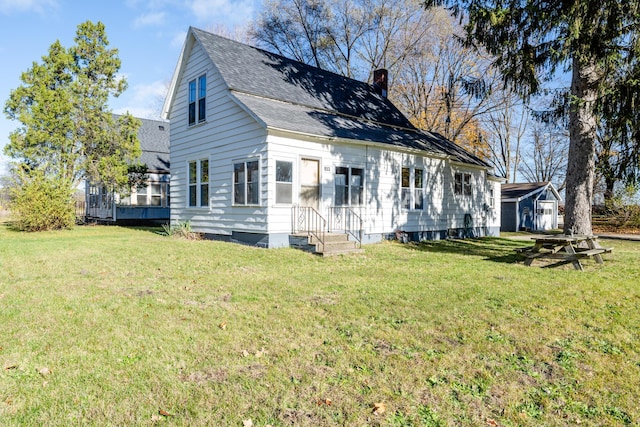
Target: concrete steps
[334,244]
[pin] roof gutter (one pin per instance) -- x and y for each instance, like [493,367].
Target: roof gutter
[312,137]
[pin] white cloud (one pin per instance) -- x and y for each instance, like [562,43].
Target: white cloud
[228,12]
[38,6]
[144,100]
[150,19]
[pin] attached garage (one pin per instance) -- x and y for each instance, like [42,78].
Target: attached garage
[529,206]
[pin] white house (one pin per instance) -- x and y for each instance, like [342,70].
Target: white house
[148,203]
[263,146]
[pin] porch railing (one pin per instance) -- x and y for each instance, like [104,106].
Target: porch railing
[343,218]
[306,219]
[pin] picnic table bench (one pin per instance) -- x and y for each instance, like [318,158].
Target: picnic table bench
[564,249]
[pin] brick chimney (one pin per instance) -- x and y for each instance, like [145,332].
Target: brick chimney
[381,81]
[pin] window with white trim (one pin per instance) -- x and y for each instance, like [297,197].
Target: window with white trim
[406,188]
[198,100]
[349,185]
[148,194]
[246,183]
[199,183]
[284,182]
[142,195]
[418,189]
[462,185]
[412,188]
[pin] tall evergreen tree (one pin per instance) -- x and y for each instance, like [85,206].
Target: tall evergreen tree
[67,131]
[593,39]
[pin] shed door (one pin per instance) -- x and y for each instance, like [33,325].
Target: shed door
[310,183]
[545,214]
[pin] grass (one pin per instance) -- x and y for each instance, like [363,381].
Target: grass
[116,326]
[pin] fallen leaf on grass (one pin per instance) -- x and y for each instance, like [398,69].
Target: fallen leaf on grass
[155,417]
[44,371]
[164,413]
[492,423]
[379,408]
[223,325]
[245,353]
[327,402]
[247,423]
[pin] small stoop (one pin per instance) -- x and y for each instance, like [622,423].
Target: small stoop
[334,244]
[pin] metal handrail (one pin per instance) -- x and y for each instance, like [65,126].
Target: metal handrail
[305,219]
[344,218]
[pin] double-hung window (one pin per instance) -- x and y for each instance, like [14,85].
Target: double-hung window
[412,188]
[199,183]
[462,185]
[156,194]
[418,186]
[406,188]
[149,194]
[348,186]
[198,100]
[284,182]
[141,195]
[246,183]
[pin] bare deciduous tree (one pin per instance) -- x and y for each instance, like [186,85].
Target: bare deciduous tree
[506,128]
[442,86]
[546,157]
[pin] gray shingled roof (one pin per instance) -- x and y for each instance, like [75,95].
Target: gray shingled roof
[293,96]
[154,142]
[516,191]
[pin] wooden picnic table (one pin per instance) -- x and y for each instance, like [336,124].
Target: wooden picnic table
[564,249]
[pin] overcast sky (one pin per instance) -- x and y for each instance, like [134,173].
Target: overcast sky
[148,34]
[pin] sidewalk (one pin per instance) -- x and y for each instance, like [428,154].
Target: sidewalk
[613,236]
[619,236]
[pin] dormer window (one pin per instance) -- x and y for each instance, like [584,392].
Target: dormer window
[198,96]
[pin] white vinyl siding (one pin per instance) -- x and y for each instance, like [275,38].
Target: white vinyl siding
[227,134]
[371,184]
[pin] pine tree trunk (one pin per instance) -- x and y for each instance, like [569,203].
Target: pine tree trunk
[582,146]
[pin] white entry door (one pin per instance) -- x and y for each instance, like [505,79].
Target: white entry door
[545,215]
[310,183]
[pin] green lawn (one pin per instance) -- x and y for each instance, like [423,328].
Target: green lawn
[116,326]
